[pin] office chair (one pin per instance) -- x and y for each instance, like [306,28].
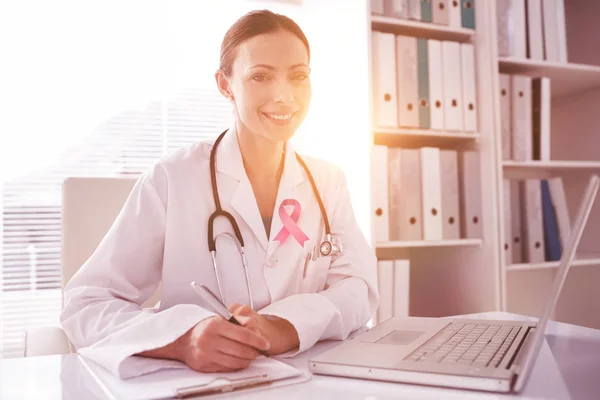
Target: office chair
[89,208]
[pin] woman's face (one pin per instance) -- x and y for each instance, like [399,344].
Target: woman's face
[270,84]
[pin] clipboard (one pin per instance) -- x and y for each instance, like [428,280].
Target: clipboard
[180,383]
[251,384]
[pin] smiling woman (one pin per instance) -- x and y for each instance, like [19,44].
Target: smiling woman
[286,275]
[265,74]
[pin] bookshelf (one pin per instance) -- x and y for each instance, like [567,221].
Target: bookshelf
[420,29]
[551,264]
[575,91]
[469,276]
[398,244]
[425,133]
[462,275]
[552,165]
[567,79]
[423,138]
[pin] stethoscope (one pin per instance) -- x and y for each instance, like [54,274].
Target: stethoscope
[327,246]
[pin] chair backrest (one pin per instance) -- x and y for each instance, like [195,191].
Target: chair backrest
[89,208]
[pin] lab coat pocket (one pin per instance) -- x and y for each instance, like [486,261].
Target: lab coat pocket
[313,278]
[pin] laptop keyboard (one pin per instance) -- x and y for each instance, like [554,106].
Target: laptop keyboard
[481,345]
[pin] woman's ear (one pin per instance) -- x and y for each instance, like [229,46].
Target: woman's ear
[223,84]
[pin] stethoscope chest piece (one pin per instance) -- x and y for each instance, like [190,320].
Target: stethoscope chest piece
[325,248]
[328,246]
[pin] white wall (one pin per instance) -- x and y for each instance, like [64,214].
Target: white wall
[337,127]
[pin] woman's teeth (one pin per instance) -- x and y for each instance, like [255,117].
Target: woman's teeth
[281,117]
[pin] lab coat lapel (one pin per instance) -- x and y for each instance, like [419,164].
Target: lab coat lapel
[291,181]
[229,162]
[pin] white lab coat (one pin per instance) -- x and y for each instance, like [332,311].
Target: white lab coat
[161,236]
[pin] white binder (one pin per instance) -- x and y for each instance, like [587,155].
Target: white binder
[504,34]
[398,8]
[384,75]
[454,14]
[533,223]
[469,97]
[411,220]
[535,35]
[432,194]
[505,116]
[452,86]
[470,191]
[551,31]
[414,9]
[559,201]
[379,193]
[511,28]
[450,196]
[516,188]
[541,117]
[396,197]
[401,288]
[562,31]
[507,215]
[407,83]
[440,11]
[385,277]
[436,84]
[521,118]
[377,7]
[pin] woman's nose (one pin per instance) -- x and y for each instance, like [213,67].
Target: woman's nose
[284,93]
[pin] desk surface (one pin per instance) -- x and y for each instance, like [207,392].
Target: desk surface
[568,367]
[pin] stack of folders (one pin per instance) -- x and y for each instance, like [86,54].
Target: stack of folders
[423,83]
[536,220]
[453,13]
[525,110]
[425,194]
[394,289]
[533,29]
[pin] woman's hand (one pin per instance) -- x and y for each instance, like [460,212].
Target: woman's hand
[214,345]
[279,332]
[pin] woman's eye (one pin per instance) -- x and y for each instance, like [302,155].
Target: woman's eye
[300,77]
[260,77]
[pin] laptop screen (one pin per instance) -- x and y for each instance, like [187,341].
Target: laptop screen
[561,275]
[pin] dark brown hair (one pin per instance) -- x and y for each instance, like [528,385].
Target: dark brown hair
[253,24]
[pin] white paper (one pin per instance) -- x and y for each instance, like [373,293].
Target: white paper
[165,382]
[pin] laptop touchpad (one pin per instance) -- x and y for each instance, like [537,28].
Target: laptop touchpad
[399,337]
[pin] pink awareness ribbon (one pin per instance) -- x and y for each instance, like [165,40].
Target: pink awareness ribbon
[290,223]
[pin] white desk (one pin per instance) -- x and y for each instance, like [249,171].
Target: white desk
[568,368]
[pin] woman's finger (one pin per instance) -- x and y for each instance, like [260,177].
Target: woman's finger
[242,335]
[234,307]
[235,349]
[229,361]
[244,310]
[207,366]
[253,324]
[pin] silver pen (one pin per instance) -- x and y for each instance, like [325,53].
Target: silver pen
[306,261]
[219,307]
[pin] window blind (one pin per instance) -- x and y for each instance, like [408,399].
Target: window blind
[128,143]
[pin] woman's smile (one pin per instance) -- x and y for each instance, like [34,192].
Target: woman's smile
[280,119]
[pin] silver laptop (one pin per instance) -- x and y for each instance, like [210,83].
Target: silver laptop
[476,354]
